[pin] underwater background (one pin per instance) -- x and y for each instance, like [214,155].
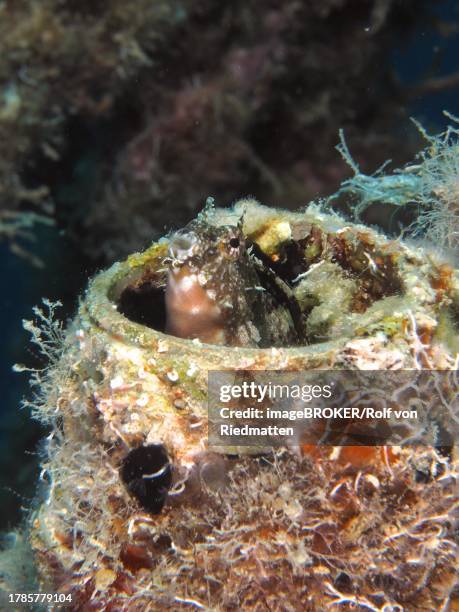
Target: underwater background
[117,122]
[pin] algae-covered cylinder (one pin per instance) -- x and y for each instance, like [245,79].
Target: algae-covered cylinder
[139,512]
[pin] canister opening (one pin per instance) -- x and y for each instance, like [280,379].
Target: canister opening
[336,282]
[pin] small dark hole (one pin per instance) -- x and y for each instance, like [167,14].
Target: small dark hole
[147,474]
[145,305]
[343,582]
[422,476]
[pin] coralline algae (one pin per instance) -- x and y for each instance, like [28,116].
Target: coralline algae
[139,514]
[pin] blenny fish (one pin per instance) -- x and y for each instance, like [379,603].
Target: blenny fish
[219,292]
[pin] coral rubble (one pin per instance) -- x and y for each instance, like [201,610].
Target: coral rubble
[137,513]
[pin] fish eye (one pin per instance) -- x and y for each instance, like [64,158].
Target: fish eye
[234,243]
